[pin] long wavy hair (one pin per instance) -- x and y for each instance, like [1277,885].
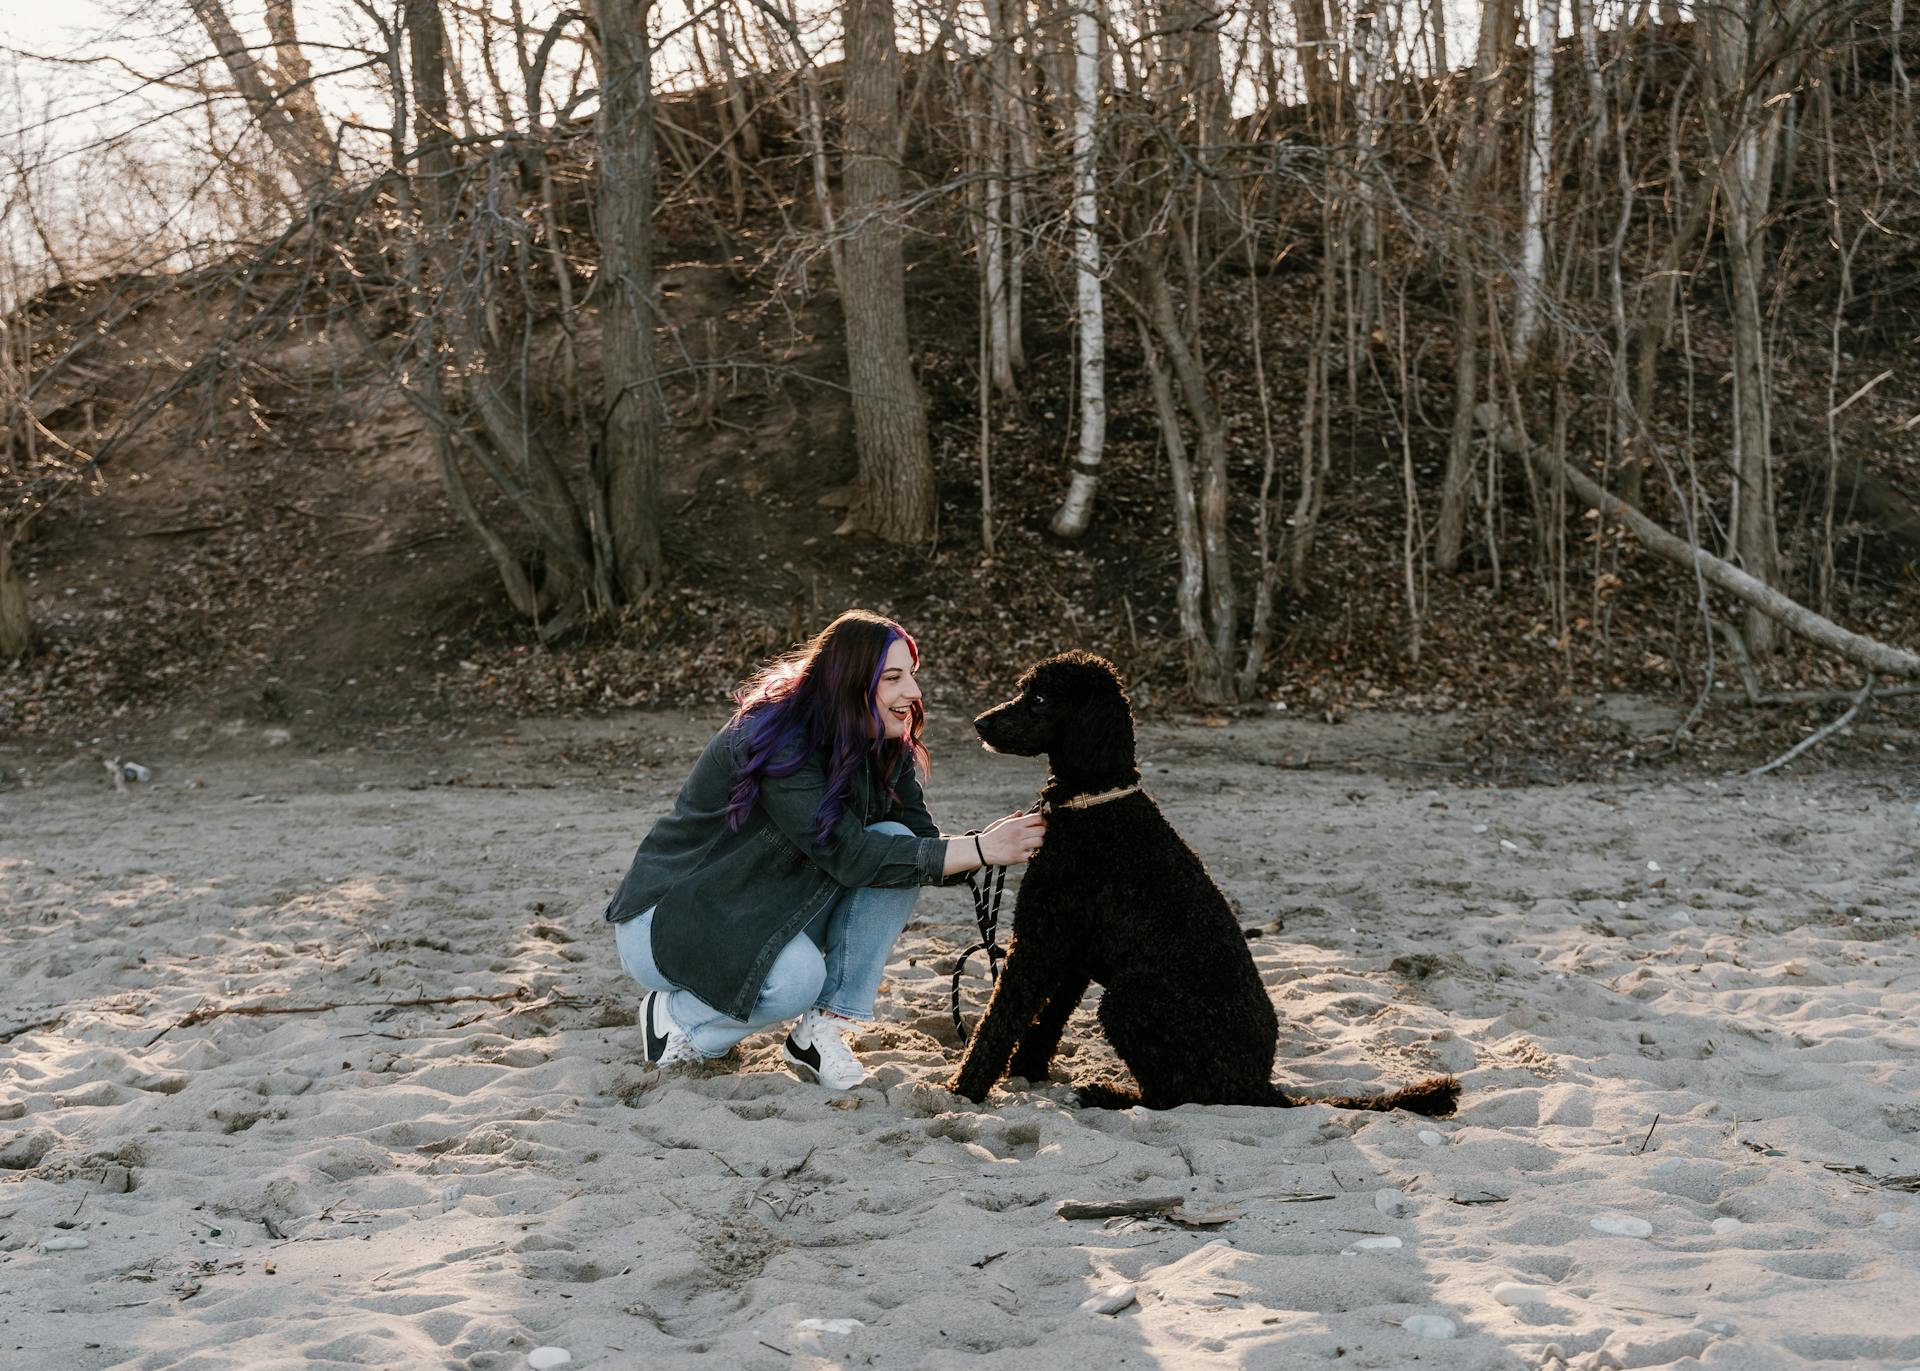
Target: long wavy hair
[820,698]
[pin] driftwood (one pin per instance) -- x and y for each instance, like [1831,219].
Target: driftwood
[1114,1209]
[1788,613]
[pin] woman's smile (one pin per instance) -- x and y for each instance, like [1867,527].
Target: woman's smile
[897,690]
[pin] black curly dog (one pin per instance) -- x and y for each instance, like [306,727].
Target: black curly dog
[1115,896]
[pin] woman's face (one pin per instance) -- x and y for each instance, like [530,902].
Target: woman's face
[897,691]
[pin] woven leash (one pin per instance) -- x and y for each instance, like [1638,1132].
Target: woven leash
[986,913]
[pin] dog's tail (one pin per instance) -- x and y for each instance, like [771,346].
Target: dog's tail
[1436,1097]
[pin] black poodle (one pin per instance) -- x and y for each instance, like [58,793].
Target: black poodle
[1115,896]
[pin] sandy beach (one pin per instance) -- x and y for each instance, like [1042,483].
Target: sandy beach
[1685,1013]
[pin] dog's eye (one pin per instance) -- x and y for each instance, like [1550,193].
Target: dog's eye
[1038,698]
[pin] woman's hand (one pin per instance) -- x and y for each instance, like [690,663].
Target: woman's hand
[1014,839]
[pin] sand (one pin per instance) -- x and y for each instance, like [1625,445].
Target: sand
[1686,1014]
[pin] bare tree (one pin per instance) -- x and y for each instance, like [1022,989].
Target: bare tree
[281,103]
[895,493]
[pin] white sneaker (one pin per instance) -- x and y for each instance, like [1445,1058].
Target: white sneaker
[662,1041]
[817,1049]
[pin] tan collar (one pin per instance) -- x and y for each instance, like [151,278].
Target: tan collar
[1089,801]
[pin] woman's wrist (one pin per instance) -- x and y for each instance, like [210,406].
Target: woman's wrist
[980,852]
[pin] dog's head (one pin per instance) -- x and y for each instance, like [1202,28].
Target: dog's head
[1072,707]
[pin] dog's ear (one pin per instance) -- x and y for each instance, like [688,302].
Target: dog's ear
[1099,733]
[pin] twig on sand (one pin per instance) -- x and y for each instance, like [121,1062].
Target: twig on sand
[1114,1209]
[1649,1138]
[771,1348]
[1860,698]
[206,1012]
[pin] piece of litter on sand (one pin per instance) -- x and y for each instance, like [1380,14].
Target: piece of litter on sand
[1516,1292]
[1111,1300]
[1726,1225]
[65,1242]
[543,1357]
[1390,1203]
[1622,1226]
[1430,1137]
[1509,845]
[829,1325]
[1428,1325]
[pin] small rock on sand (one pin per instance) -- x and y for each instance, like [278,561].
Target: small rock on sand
[1726,1225]
[1111,1300]
[1385,1243]
[1431,1138]
[543,1357]
[828,1325]
[65,1242]
[1623,1226]
[1429,1326]
[1515,1292]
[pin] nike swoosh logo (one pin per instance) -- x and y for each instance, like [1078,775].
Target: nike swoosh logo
[656,1041]
[809,1055]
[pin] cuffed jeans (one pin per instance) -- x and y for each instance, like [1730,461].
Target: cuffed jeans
[836,964]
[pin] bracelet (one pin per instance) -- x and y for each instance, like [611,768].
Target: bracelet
[979,851]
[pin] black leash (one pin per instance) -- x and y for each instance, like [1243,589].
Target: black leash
[986,913]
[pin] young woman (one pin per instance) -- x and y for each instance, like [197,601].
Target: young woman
[792,857]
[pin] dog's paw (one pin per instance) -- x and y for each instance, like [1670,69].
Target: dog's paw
[960,1086]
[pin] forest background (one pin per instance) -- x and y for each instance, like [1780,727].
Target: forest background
[387,362]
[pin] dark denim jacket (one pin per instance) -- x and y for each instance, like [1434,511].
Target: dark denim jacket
[726,902]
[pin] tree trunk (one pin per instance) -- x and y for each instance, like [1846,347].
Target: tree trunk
[1752,71]
[1539,170]
[629,452]
[1310,37]
[896,491]
[294,81]
[1071,519]
[306,162]
[1477,147]
[16,624]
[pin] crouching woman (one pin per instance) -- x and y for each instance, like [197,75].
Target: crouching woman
[790,862]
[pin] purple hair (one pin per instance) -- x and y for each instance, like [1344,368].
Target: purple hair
[820,698]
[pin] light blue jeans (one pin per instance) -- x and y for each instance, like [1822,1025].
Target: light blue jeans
[835,964]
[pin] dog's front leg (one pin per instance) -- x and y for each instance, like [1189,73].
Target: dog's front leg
[1017,998]
[1042,1039]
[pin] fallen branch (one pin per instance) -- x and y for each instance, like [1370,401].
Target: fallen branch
[202,1015]
[1750,679]
[1821,735]
[1788,613]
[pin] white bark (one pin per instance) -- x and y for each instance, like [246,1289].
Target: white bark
[1897,20]
[1533,234]
[1070,521]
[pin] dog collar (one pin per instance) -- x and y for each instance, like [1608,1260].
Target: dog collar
[1089,801]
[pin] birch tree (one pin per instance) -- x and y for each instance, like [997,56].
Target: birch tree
[1070,520]
[1539,168]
